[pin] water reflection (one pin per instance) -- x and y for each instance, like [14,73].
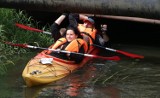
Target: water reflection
[77,85]
[128,78]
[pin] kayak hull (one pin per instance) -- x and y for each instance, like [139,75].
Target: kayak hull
[36,73]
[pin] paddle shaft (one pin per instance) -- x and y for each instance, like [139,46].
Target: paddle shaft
[115,58]
[121,52]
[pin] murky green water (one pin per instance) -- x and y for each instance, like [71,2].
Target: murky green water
[127,78]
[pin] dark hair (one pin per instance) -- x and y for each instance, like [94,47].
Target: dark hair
[75,29]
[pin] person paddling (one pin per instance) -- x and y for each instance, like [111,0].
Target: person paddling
[89,30]
[71,41]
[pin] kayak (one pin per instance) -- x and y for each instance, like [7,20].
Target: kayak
[44,68]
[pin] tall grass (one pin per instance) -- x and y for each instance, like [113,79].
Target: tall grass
[9,32]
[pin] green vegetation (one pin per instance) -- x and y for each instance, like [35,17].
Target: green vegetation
[9,32]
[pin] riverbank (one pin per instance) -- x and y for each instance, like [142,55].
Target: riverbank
[9,32]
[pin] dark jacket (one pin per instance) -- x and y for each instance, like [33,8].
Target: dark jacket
[55,31]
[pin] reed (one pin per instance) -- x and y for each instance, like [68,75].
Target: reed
[9,32]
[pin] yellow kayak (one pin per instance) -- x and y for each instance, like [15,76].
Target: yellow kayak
[44,68]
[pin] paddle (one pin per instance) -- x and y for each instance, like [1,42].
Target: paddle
[121,52]
[115,58]
[31,28]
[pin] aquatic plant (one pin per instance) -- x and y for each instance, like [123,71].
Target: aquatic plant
[4,62]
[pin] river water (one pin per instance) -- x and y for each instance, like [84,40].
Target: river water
[127,78]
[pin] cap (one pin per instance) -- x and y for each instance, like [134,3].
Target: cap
[90,20]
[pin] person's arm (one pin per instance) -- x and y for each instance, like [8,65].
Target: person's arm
[83,17]
[78,16]
[104,34]
[73,19]
[60,19]
[55,27]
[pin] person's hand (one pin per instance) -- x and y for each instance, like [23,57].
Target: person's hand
[66,13]
[58,50]
[103,27]
[68,54]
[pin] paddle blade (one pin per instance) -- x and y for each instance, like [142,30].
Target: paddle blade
[114,58]
[121,52]
[27,27]
[130,54]
[18,45]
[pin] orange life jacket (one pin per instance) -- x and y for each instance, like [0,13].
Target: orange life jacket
[91,31]
[72,46]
